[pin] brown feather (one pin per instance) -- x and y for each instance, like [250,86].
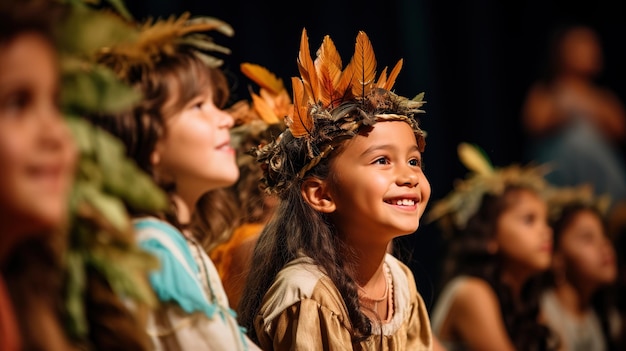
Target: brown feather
[364,65]
[300,123]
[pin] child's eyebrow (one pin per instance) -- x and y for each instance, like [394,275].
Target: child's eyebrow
[385,147]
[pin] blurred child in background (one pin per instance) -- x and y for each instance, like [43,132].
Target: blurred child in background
[496,221]
[578,303]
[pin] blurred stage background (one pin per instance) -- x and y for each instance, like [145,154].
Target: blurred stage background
[475,60]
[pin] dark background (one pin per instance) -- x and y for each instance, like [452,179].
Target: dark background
[475,60]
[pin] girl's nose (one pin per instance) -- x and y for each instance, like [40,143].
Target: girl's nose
[225,119]
[408,178]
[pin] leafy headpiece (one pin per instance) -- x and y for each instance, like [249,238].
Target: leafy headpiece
[158,39]
[464,201]
[332,104]
[560,198]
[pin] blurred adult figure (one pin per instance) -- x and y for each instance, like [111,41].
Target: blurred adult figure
[573,122]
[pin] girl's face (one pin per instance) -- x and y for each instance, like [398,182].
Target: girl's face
[586,252]
[37,155]
[523,236]
[379,189]
[195,152]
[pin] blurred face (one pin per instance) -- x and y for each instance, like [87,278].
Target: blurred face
[581,52]
[195,152]
[586,251]
[523,236]
[379,190]
[37,155]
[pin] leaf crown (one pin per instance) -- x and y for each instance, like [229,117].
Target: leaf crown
[465,199]
[156,39]
[332,104]
[583,195]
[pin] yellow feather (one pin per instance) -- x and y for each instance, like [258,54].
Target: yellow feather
[474,159]
[364,65]
[307,69]
[328,67]
[263,77]
[300,123]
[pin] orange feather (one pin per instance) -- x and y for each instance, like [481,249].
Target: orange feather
[307,69]
[265,111]
[364,65]
[263,77]
[300,123]
[393,75]
[328,67]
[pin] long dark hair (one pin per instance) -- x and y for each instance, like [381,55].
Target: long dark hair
[468,254]
[297,228]
[603,300]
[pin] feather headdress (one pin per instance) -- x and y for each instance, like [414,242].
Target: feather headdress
[257,122]
[332,103]
[158,39]
[464,201]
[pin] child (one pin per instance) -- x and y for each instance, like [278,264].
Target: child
[496,222]
[180,135]
[578,304]
[38,157]
[348,174]
[254,125]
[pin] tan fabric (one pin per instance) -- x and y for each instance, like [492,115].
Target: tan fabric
[304,311]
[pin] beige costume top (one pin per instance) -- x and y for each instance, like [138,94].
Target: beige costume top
[578,333]
[303,310]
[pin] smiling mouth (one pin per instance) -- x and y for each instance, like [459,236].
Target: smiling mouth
[401,202]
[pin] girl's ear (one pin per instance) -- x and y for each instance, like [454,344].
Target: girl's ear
[316,193]
[155,158]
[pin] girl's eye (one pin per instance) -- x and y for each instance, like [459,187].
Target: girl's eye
[415,162]
[16,103]
[381,161]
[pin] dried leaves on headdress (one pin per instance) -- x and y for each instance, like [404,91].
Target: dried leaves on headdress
[463,202]
[561,197]
[331,103]
[161,38]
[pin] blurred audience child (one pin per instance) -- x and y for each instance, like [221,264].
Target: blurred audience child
[348,175]
[38,156]
[254,125]
[180,135]
[578,304]
[499,241]
[575,124]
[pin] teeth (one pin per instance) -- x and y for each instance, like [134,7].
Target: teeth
[405,202]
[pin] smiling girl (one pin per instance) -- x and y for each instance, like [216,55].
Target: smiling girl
[348,173]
